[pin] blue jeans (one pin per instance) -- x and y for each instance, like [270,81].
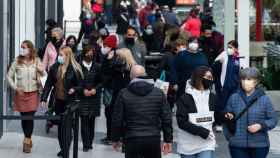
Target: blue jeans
[236,152]
[204,154]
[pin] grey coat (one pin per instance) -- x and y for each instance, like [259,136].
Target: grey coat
[138,51]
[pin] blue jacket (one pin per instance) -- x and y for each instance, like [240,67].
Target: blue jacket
[261,112]
[183,66]
[232,81]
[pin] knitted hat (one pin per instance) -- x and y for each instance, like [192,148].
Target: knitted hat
[111,41]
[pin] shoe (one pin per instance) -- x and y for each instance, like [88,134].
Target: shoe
[219,129]
[85,149]
[27,145]
[106,141]
[60,154]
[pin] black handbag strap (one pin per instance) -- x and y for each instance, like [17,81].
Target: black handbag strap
[249,105]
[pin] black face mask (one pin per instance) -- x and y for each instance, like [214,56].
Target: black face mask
[129,41]
[58,43]
[207,84]
[53,40]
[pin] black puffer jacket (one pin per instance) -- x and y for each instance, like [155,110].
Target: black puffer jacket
[71,80]
[115,75]
[141,111]
[92,80]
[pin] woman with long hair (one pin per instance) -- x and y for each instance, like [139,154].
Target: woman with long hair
[71,41]
[64,77]
[125,55]
[23,77]
[195,116]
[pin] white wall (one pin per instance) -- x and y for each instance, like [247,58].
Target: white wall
[72,10]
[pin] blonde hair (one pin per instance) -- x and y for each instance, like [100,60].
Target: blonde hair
[126,55]
[70,59]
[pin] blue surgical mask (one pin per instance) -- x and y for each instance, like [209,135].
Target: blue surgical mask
[60,60]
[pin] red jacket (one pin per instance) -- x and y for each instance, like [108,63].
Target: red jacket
[143,14]
[192,25]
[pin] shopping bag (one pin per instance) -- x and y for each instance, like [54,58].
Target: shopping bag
[162,84]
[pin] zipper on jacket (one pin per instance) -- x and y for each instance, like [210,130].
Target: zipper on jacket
[247,123]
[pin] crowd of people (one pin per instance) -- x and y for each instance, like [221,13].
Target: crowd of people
[206,84]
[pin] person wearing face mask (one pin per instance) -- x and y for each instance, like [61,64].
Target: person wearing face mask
[158,27]
[250,139]
[211,42]
[90,96]
[185,62]
[226,69]
[23,79]
[131,42]
[108,56]
[52,49]
[195,116]
[117,64]
[150,39]
[64,78]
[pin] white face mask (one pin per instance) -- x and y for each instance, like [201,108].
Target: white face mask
[105,50]
[88,15]
[248,85]
[24,52]
[60,59]
[149,31]
[230,51]
[193,46]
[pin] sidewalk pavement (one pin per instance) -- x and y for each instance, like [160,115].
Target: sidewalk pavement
[46,145]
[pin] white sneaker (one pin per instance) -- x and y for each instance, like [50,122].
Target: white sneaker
[219,129]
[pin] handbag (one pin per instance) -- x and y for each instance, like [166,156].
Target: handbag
[162,84]
[231,124]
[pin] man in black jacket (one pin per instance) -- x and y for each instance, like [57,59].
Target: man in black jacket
[139,114]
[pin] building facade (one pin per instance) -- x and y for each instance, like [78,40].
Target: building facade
[21,20]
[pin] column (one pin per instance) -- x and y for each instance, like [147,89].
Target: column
[244,31]
[229,17]
[3,59]
[218,15]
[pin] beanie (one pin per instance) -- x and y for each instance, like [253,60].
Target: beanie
[111,41]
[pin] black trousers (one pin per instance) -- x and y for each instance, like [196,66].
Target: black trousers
[63,138]
[87,130]
[108,115]
[27,125]
[143,147]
